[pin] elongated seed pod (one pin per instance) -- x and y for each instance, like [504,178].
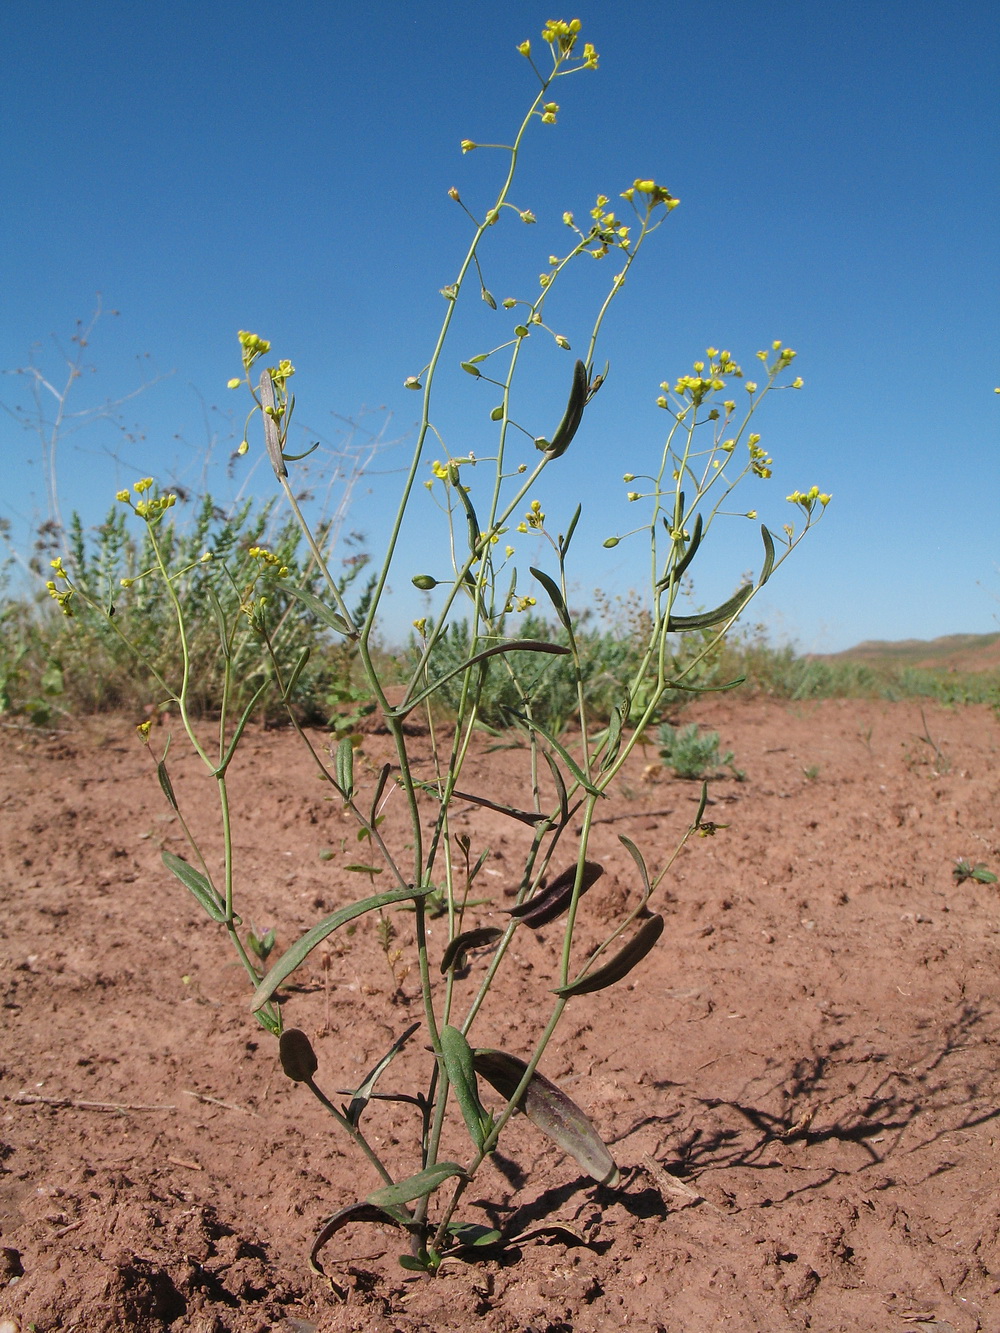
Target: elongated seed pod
[572,417]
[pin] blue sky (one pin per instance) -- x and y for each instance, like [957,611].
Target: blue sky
[285,169]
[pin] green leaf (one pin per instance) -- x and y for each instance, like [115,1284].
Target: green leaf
[765,573]
[297,670]
[319,608]
[561,793]
[220,618]
[363,1094]
[637,857]
[354,1212]
[551,1111]
[508,646]
[457,1055]
[561,750]
[469,939]
[166,784]
[565,541]
[300,950]
[417,1187]
[412,1264]
[345,768]
[360,869]
[613,739]
[470,517]
[727,611]
[195,881]
[237,735]
[524,816]
[620,965]
[383,778]
[472,1236]
[555,596]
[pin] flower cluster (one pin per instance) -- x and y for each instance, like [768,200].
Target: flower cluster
[807,500]
[608,230]
[253,347]
[61,596]
[654,194]
[534,518]
[707,379]
[267,560]
[151,508]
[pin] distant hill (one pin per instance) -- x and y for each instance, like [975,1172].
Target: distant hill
[953,652]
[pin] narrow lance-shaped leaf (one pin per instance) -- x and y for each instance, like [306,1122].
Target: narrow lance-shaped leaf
[196,883]
[383,778]
[561,793]
[469,939]
[354,1212]
[363,1094]
[319,609]
[220,619]
[470,517]
[416,1187]
[706,619]
[509,646]
[297,670]
[555,596]
[237,735]
[677,571]
[556,897]
[166,784]
[524,816]
[560,749]
[458,1062]
[613,740]
[637,857]
[765,572]
[551,1111]
[620,965]
[565,541]
[301,949]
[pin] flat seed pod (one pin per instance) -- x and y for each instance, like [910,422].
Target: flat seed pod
[622,963]
[555,898]
[551,1111]
[469,939]
[298,1059]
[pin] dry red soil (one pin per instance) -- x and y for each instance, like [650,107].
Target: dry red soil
[799,1083]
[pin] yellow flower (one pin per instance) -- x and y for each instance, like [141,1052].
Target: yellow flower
[468,145]
[234,383]
[124,496]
